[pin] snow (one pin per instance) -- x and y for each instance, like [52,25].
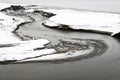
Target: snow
[49,10]
[5,5]
[7,25]
[29,10]
[20,46]
[22,56]
[50,23]
[2,5]
[24,49]
[12,47]
[7,37]
[60,56]
[87,20]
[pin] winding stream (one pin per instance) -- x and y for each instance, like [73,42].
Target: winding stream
[101,66]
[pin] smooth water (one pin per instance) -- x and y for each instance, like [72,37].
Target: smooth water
[103,67]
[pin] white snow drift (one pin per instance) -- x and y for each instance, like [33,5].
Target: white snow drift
[62,56]
[86,20]
[11,46]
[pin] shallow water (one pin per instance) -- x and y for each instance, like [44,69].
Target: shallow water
[102,67]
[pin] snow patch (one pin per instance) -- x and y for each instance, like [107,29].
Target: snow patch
[12,48]
[86,20]
[24,49]
[7,25]
[62,56]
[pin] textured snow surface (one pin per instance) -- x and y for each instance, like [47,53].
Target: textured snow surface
[62,55]
[24,50]
[11,46]
[86,20]
[7,25]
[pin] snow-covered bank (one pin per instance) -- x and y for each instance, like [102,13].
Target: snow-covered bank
[23,50]
[85,20]
[13,49]
[62,56]
[7,25]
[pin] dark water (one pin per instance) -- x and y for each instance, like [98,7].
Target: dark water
[102,67]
